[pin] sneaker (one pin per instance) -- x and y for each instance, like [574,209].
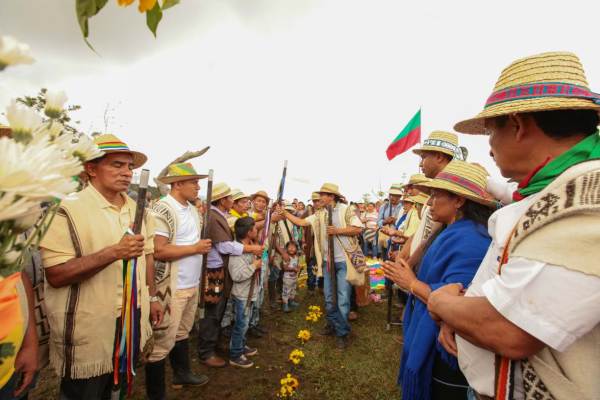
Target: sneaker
[286,308]
[293,304]
[241,362]
[250,351]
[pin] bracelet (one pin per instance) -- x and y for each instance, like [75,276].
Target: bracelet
[411,288]
[154,299]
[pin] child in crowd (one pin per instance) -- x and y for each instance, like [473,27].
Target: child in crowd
[290,277]
[241,269]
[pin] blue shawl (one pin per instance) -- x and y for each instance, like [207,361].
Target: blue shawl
[453,257]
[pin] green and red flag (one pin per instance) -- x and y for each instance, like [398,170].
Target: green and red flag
[410,135]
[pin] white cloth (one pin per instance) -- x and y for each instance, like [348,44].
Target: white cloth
[551,303]
[501,189]
[189,268]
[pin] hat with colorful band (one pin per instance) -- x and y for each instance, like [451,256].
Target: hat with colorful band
[440,141]
[543,82]
[180,172]
[466,180]
[109,143]
[396,189]
[219,191]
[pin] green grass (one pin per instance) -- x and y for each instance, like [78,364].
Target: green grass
[366,370]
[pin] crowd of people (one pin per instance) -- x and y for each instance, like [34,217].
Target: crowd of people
[499,280]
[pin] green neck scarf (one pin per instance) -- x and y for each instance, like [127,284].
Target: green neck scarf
[587,149]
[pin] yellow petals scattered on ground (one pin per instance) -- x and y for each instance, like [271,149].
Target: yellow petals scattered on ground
[289,384]
[296,356]
[304,335]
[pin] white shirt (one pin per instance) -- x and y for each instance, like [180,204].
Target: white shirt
[338,252]
[189,268]
[554,304]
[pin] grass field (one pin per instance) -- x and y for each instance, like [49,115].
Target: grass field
[366,370]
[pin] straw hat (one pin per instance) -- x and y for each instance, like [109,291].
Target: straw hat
[260,193]
[315,196]
[220,190]
[421,198]
[237,194]
[109,143]
[440,141]
[289,206]
[417,179]
[330,188]
[543,82]
[396,189]
[180,172]
[466,180]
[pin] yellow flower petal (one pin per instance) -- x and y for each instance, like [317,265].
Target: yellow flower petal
[146,5]
[124,3]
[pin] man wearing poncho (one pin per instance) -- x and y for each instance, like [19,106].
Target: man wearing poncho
[83,253]
[346,227]
[528,326]
[178,251]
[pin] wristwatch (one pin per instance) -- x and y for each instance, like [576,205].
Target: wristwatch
[154,299]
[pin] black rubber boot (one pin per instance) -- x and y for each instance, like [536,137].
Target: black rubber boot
[180,362]
[155,380]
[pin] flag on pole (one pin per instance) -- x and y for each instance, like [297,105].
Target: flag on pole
[410,135]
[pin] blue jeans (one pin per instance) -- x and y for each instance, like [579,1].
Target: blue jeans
[240,327]
[338,316]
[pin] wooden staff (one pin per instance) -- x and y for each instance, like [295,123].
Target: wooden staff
[204,271]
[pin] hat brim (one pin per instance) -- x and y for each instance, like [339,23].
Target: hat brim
[255,195]
[476,125]
[460,191]
[139,159]
[433,148]
[172,179]
[220,196]
[331,192]
[395,192]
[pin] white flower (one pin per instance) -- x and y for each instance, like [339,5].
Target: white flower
[40,171]
[23,121]
[49,131]
[28,219]
[13,52]
[85,149]
[55,101]
[12,207]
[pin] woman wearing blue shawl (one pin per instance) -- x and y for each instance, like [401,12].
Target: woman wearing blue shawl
[453,254]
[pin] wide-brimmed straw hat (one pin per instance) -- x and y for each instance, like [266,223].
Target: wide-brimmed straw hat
[220,190]
[466,180]
[109,143]
[260,193]
[237,194]
[440,141]
[543,82]
[180,172]
[417,179]
[315,196]
[396,189]
[331,188]
[421,198]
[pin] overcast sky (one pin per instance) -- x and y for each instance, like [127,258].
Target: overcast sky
[325,84]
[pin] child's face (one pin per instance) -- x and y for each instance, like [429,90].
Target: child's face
[253,234]
[292,250]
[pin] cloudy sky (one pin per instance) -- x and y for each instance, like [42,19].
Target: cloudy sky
[325,84]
